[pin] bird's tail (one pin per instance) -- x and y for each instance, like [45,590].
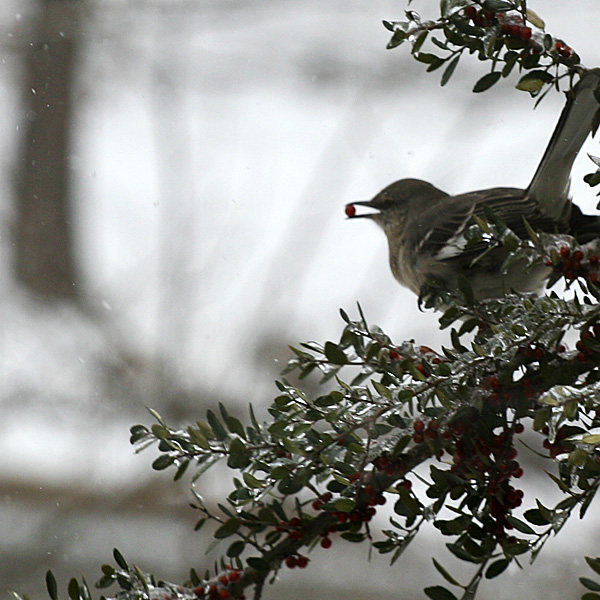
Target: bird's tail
[550,184]
[584,227]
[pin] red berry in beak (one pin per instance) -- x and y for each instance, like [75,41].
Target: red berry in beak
[350,210]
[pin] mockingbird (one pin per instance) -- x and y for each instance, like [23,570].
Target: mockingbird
[425,226]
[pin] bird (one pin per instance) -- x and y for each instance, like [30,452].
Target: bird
[425,226]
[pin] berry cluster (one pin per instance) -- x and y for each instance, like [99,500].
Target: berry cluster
[422,431]
[297,560]
[499,395]
[363,513]
[322,499]
[488,18]
[562,49]
[218,590]
[516,31]
[573,264]
[588,342]
[388,465]
[293,528]
[491,463]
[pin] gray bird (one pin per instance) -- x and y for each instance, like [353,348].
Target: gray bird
[425,226]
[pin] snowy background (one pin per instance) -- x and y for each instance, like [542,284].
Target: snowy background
[215,144]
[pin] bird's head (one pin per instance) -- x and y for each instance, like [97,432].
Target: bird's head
[392,204]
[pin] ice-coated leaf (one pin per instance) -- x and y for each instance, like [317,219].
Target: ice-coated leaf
[335,354]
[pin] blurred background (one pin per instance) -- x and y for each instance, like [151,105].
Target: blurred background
[173,175]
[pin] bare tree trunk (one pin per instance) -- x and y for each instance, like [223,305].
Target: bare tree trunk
[44,249]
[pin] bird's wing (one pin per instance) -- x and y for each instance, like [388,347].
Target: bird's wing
[550,184]
[444,238]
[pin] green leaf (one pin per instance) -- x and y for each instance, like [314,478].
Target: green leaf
[520,525]
[345,505]
[215,425]
[397,38]
[162,462]
[449,70]
[498,5]
[239,455]
[590,584]
[260,564]
[427,58]
[496,568]
[228,528]
[235,549]
[197,437]
[335,354]
[73,589]
[51,585]
[533,81]
[251,481]
[181,469]
[487,81]
[437,592]
[593,563]
[120,560]
[444,573]
[535,516]
[590,596]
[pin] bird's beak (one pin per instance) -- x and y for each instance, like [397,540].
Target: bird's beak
[351,210]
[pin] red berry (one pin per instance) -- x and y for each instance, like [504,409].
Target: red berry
[565,251]
[302,562]
[234,575]
[199,591]
[519,428]
[515,30]
[577,255]
[223,580]
[317,504]
[350,210]
[525,33]
[558,46]
[394,355]
[418,438]
[470,12]
[290,562]
[326,543]
[488,14]
[593,259]
[294,521]
[223,594]
[419,425]
[566,52]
